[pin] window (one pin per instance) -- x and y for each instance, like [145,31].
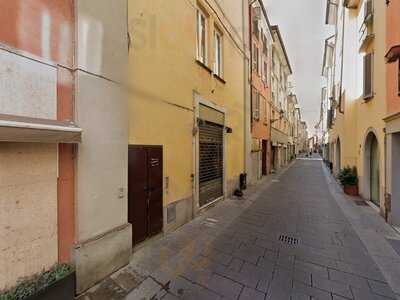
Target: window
[256,57]
[398,80]
[255,23]
[265,111]
[256,105]
[265,72]
[201,36]
[368,76]
[218,53]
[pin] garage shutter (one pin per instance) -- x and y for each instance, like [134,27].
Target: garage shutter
[211,143]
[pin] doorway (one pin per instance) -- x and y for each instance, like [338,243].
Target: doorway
[264,157]
[211,162]
[372,170]
[338,158]
[145,191]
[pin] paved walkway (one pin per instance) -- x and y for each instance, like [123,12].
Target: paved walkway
[292,238]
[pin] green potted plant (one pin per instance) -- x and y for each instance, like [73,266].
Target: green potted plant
[349,179]
[56,283]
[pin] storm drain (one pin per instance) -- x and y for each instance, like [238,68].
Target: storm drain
[361,203]
[288,240]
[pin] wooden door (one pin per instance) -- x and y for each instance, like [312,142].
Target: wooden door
[374,172]
[264,157]
[145,185]
[155,184]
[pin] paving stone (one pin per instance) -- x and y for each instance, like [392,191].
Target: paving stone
[107,290]
[249,253]
[218,256]
[311,291]
[184,289]
[364,294]
[224,287]
[382,289]
[251,294]
[315,270]
[281,285]
[335,287]
[236,264]
[352,280]
[147,290]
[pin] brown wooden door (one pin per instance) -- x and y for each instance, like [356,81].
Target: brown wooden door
[155,183]
[145,183]
[264,157]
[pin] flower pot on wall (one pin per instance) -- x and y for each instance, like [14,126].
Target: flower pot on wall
[63,289]
[351,190]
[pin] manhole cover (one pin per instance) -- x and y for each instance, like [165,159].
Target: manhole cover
[361,203]
[288,240]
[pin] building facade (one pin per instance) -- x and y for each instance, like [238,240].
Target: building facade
[392,118]
[281,70]
[356,89]
[261,48]
[187,109]
[63,133]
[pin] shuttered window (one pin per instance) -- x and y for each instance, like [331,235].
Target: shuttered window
[255,105]
[368,76]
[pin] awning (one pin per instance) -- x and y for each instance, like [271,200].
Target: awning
[393,54]
[24,129]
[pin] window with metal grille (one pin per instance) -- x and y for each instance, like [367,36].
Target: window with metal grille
[368,76]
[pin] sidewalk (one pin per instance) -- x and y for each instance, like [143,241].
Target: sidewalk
[374,232]
[161,259]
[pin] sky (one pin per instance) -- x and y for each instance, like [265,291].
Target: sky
[303,29]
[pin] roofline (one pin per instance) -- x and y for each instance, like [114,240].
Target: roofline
[261,3]
[276,29]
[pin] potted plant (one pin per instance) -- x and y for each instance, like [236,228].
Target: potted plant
[57,283]
[349,179]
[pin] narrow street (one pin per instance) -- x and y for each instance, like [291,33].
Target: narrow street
[288,240]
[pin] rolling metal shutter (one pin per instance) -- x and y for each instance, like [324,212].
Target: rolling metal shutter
[211,142]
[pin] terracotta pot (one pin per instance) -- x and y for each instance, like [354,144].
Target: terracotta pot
[351,190]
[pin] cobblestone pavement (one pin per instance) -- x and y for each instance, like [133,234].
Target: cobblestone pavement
[289,239]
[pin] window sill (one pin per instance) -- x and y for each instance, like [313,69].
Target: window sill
[368,98]
[201,64]
[219,78]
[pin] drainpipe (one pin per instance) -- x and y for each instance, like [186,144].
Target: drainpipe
[342,64]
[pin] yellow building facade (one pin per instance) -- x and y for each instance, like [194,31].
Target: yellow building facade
[356,91]
[187,95]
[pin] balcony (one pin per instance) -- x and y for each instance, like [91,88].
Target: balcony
[366,35]
[351,3]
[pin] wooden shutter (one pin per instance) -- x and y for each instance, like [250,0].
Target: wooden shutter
[368,76]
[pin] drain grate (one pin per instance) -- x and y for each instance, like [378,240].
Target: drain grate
[361,203]
[288,240]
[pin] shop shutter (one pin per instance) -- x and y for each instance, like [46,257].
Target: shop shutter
[211,143]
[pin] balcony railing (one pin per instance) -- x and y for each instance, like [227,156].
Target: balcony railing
[366,34]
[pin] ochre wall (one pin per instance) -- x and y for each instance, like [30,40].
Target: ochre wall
[163,78]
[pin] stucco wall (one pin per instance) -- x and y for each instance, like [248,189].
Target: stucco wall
[361,117]
[28,210]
